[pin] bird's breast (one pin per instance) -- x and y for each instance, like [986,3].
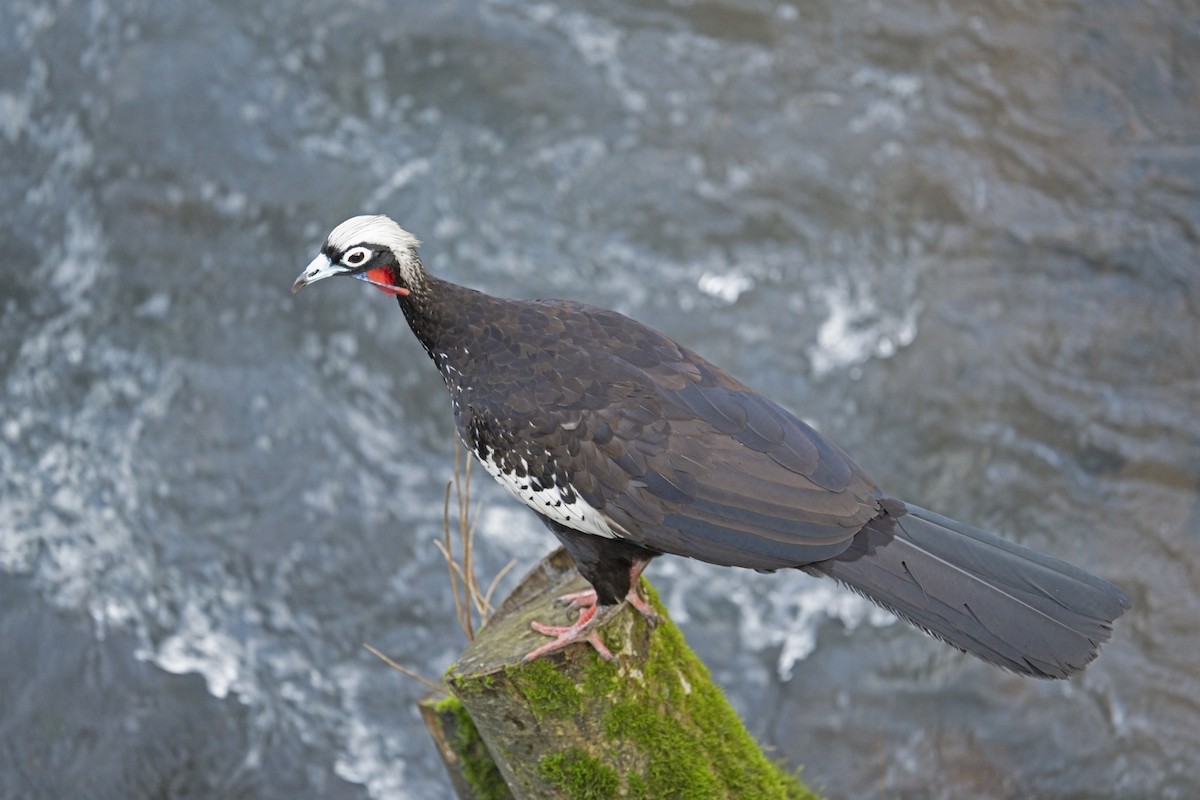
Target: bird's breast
[543,489]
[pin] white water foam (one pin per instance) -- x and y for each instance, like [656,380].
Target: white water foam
[857,329]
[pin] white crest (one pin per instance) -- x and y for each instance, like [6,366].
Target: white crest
[372,230]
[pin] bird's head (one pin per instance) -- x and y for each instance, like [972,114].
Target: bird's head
[371,248]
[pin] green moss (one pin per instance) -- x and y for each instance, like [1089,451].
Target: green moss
[447,705]
[695,745]
[479,770]
[635,787]
[579,775]
[551,694]
[600,678]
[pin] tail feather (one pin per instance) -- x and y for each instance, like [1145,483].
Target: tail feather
[1004,603]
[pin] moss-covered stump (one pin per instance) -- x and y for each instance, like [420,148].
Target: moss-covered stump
[571,725]
[473,774]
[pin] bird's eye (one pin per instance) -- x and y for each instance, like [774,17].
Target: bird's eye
[356,257]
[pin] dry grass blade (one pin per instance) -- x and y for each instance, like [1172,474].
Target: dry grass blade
[487,597]
[471,601]
[462,611]
[405,670]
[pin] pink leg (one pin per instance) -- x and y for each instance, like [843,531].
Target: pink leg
[587,597]
[591,616]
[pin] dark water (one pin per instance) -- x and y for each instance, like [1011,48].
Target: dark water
[963,239]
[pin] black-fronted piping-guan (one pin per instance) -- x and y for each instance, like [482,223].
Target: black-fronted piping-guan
[629,446]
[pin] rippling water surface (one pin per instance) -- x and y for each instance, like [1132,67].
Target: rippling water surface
[962,239]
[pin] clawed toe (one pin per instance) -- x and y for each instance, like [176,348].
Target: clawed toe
[643,607]
[584,599]
[585,629]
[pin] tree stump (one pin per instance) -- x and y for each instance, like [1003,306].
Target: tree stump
[572,725]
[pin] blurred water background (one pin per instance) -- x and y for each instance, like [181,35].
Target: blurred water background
[962,239]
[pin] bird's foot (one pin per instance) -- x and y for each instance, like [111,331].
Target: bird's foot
[587,599]
[591,616]
[584,629]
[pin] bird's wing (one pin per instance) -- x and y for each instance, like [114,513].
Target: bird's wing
[682,458]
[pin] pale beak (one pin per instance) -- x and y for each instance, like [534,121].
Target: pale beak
[318,269]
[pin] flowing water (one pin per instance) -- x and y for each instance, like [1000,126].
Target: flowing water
[963,239]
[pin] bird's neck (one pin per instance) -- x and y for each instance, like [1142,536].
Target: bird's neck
[440,314]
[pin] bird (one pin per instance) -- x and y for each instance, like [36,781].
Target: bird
[629,446]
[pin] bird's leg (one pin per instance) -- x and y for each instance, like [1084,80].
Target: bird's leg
[587,597]
[591,616]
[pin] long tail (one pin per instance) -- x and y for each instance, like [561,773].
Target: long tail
[1004,603]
